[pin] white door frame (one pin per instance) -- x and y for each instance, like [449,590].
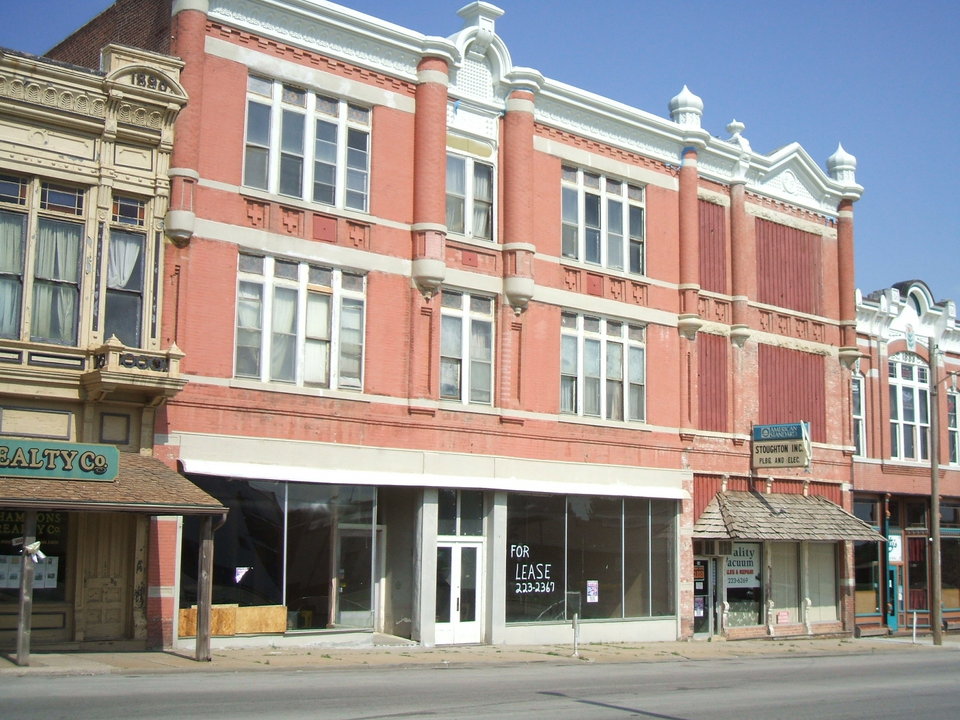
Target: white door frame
[458,631]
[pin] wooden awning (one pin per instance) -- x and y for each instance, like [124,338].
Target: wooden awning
[143,485]
[779,517]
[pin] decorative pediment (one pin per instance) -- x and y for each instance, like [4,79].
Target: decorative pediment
[791,175]
[149,80]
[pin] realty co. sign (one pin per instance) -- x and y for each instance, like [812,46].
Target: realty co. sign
[58,461]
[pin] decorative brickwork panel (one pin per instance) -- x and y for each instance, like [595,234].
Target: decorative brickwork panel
[257,214]
[359,235]
[788,267]
[713,247]
[595,285]
[324,228]
[792,389]
[714,370]
[291,221]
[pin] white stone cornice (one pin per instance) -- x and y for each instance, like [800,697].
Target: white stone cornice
[336,31]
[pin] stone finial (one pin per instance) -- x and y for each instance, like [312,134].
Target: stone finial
[736,128]
[842,166]
[686,108]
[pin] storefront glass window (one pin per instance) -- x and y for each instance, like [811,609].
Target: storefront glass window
[866,558]
[594,554]
[49,575]
[917,573]
[785,581]
[950,574]
[743,583]
[663,557]
[536,531]
[822,578]
[303,545]
[619,557]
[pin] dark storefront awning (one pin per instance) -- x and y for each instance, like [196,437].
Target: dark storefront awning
[779,517]
[143,484]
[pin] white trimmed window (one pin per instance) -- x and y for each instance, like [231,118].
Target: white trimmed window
[41,249]
[603,220]
[306,145]
[953,429]
[466,347]
[469,197]
[123,313]
[602,368]
[909,407]
[299,323]
[859,430]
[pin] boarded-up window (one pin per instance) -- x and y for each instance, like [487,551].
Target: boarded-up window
[713,248]
[788,268]
[713,381]
[792,389]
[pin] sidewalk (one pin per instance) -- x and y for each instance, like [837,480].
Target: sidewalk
[318,658]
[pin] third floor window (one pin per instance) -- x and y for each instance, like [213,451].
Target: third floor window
[307,145]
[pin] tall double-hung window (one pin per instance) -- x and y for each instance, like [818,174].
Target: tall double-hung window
[299,323]
[469,197]
[857,410]
[123,314]
[41,248]
[909,407]
[307,145]
[953,428]
[602,220]
[602,368]
[466,347]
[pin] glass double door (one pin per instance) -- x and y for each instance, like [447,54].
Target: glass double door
[458,601]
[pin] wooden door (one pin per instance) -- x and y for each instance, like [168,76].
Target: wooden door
[106,576]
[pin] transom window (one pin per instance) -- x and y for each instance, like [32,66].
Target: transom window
[307,145]
[469,197]
[41,248]
[859,437]
[299,323]
[466,347]
[602,370]
[909,407]
[602,220]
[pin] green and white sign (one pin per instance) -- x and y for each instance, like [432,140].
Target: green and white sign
[58,461]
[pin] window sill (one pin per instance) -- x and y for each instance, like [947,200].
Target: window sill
[613,272]
[276,387]
[300,203]
[600,422]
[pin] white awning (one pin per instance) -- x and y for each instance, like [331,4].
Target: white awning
[354,465]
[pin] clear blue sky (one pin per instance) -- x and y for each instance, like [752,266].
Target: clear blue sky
[881,77]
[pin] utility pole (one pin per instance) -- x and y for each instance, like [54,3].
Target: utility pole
[936,612]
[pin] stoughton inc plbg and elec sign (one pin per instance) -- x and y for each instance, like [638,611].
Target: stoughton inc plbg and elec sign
[780,446]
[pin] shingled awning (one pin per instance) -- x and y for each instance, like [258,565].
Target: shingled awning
[143,484]
[779,517]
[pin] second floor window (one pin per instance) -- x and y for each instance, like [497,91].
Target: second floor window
[602,221]
[602,369]
[44,273]
[307,145]
[859,437]
[299,323]
[469,197]
[909,407]
[953,429]
[466,347]
[123,314]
